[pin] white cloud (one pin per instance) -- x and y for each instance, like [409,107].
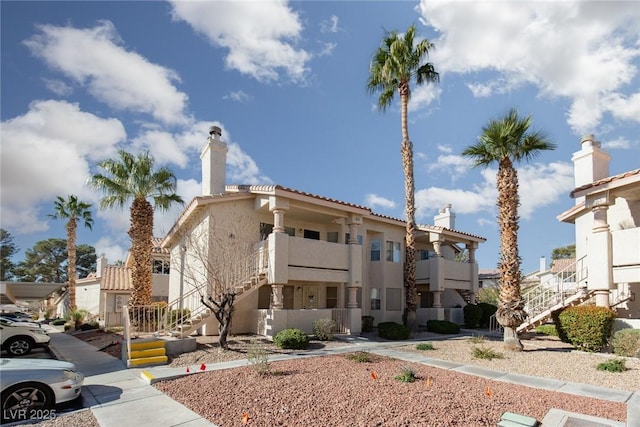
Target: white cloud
[46,153]
[260,36]
[327,49]
[422,96]
[528,43]
[58,87]
[330,25]
[242,169]
[618,143]
[373,201]
[452,164]
[121,79]
[112,250]
[238,96]
[539,185]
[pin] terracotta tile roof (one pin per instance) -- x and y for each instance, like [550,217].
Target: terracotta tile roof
[116,278]
[567,264]
[272,189]
[606,181]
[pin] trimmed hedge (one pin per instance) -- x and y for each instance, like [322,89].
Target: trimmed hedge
[626,342]
[472,316]
[393,331]
[587,328]
[488,310]
[291,338]
[443,327]
[367,323]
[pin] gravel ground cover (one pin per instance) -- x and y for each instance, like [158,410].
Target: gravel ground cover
[337,391]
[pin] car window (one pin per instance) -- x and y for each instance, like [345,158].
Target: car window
[5,322]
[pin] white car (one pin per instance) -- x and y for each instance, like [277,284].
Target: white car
[30,388]
[14,322]
[20,340]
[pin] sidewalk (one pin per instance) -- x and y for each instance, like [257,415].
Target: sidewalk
[118,396]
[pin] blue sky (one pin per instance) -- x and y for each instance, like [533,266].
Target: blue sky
[286,81]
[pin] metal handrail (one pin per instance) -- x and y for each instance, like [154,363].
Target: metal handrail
[557,288]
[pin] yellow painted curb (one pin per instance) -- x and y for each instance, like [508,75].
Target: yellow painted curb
[147,345]
[147,376]
[151,352]
[148,360]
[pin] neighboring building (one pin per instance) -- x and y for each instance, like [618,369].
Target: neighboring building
[104,292]
[606,217]
[313,257]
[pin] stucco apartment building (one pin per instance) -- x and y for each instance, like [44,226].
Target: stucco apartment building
[310,257]
[105,292]
[606,217]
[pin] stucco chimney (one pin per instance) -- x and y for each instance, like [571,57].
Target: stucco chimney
[101,263]
[591,163]
[445,218]
[214,161]
[543,265]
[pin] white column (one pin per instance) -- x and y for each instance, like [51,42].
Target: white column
[278,220]
[599,255]
[277,302]
[353,297]
[437,303]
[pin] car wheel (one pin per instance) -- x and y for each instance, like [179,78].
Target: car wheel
[18,346]
[20,401]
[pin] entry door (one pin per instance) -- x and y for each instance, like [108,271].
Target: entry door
[310,296]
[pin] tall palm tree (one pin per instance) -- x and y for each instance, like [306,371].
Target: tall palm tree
[132,178]
[505,141]
[395,63]
[72,209]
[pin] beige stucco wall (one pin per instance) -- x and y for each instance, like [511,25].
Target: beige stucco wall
[88,297]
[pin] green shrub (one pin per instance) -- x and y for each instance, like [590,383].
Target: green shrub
[425,346]
[367,323]
[443,327]
[292,338]
[393,331]
[555,316]
[77,317]
[472,315]
[407,375]
[549,330]
[58,322]
[323,329]
[486,353]
[488,310]
[359,356]
[89,326]
[626,342]
[613,365]
[588,328]
[258,358]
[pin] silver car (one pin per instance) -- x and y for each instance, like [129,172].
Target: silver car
[30,388]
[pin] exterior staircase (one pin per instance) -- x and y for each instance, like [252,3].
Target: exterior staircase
[145,352]
[565,288]
[191,314]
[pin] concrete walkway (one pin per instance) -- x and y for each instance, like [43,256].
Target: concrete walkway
[119,396]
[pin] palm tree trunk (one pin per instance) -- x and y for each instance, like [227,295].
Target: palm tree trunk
[409,194]
[141,234]
[510,313]
[72,227]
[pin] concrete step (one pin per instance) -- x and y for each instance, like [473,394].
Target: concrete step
[148,361]
[150,352]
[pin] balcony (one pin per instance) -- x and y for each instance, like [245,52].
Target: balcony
[296,258]
[447,273]
[625,255]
